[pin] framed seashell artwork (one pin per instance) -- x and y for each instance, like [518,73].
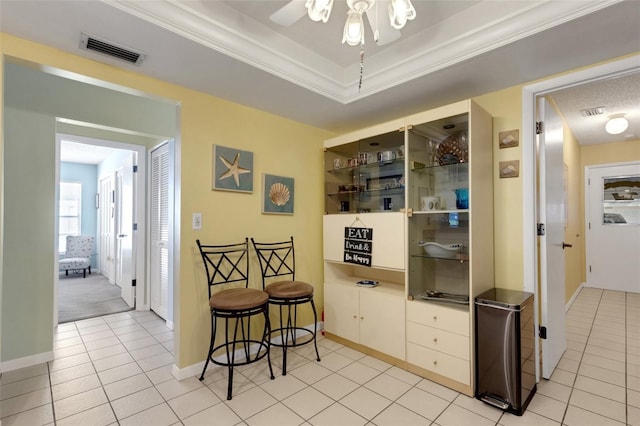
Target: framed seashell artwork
[232,169]
[277,194]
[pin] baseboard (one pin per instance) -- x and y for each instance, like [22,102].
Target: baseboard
[573,297]
[196,369]
[27,361]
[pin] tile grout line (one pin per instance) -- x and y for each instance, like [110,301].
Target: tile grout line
[575,379]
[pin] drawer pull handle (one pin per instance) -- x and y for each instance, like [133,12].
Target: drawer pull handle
[355,317]
[435,363]
[435,340]
[361,318]
[435,318]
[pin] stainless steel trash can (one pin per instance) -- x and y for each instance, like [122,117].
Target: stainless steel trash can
[505,337]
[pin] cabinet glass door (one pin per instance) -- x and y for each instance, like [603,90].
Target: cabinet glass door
[366,176]
[438,196]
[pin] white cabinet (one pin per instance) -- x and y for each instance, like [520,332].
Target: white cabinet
[372,317]
[449,238]
[424,184]
[388,243]
[438,340]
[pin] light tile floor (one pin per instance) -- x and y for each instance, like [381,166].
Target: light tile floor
[116,369]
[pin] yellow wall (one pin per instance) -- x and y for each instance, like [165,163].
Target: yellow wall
[280,146]
[573,232]
[617,152]
[505,106]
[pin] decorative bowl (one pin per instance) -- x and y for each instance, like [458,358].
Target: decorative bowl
[441,250]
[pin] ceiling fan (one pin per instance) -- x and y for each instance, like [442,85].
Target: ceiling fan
[385,28]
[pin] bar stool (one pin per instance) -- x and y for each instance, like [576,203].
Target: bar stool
[236,305]
[278,260]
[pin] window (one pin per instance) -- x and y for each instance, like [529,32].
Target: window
[621,200]
[69,213]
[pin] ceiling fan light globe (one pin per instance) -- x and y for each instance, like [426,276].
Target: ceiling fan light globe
[319,10]
[616,125]
[353,29]
[401,11]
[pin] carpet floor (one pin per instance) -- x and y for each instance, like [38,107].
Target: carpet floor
[81,298]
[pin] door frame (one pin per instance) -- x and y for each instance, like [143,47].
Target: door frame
[142,303]
[529,163]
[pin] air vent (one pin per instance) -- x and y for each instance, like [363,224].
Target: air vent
[88,42]
[590,112]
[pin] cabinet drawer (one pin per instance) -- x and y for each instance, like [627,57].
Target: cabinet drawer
[440,363]
[439,340]
[442,317]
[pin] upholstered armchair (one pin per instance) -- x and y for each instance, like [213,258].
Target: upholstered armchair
[77,255]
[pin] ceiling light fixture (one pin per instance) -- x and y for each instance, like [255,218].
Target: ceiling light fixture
[616,124]
[401,11]
[353,29]
[319,10]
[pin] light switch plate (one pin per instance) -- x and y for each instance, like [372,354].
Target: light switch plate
[196,221]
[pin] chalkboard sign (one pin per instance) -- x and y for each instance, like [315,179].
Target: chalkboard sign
[358,245]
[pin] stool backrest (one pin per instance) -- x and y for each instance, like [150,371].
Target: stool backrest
[226,264]
[276,259]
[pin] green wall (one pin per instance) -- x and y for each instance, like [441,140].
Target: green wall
[28,261]
[33,101]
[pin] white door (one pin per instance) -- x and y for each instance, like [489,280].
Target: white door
[124,208]
[551,214]
[159,250]
[612,209]
[106,223]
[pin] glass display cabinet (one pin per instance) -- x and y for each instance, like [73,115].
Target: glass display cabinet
[423,187]
[438,195]
[366,176]
[449,239]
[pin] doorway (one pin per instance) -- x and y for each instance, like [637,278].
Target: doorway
[530,93]
[106,169]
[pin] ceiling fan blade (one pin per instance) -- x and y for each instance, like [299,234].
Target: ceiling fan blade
[288,14]
[378,17]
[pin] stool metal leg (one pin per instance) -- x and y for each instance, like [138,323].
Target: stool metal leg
[315,321]
[213,338]
[266,337]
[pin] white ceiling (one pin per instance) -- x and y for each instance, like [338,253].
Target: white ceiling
[77,152]
[451,51]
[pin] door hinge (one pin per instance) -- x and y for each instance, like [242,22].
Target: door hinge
[589,268]
[135,168]
[133,283]
[539,127]
[540,228]
[135,226]
[542,332]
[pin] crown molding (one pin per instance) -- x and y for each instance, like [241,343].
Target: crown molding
[476,30]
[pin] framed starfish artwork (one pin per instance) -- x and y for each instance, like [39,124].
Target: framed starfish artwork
[232,169]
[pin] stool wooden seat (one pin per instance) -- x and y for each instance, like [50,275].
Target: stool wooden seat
[277,260]
[228,266]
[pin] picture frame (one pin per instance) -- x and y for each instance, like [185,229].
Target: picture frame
[509,169]
[232,169]
[509,138]
[278,194]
